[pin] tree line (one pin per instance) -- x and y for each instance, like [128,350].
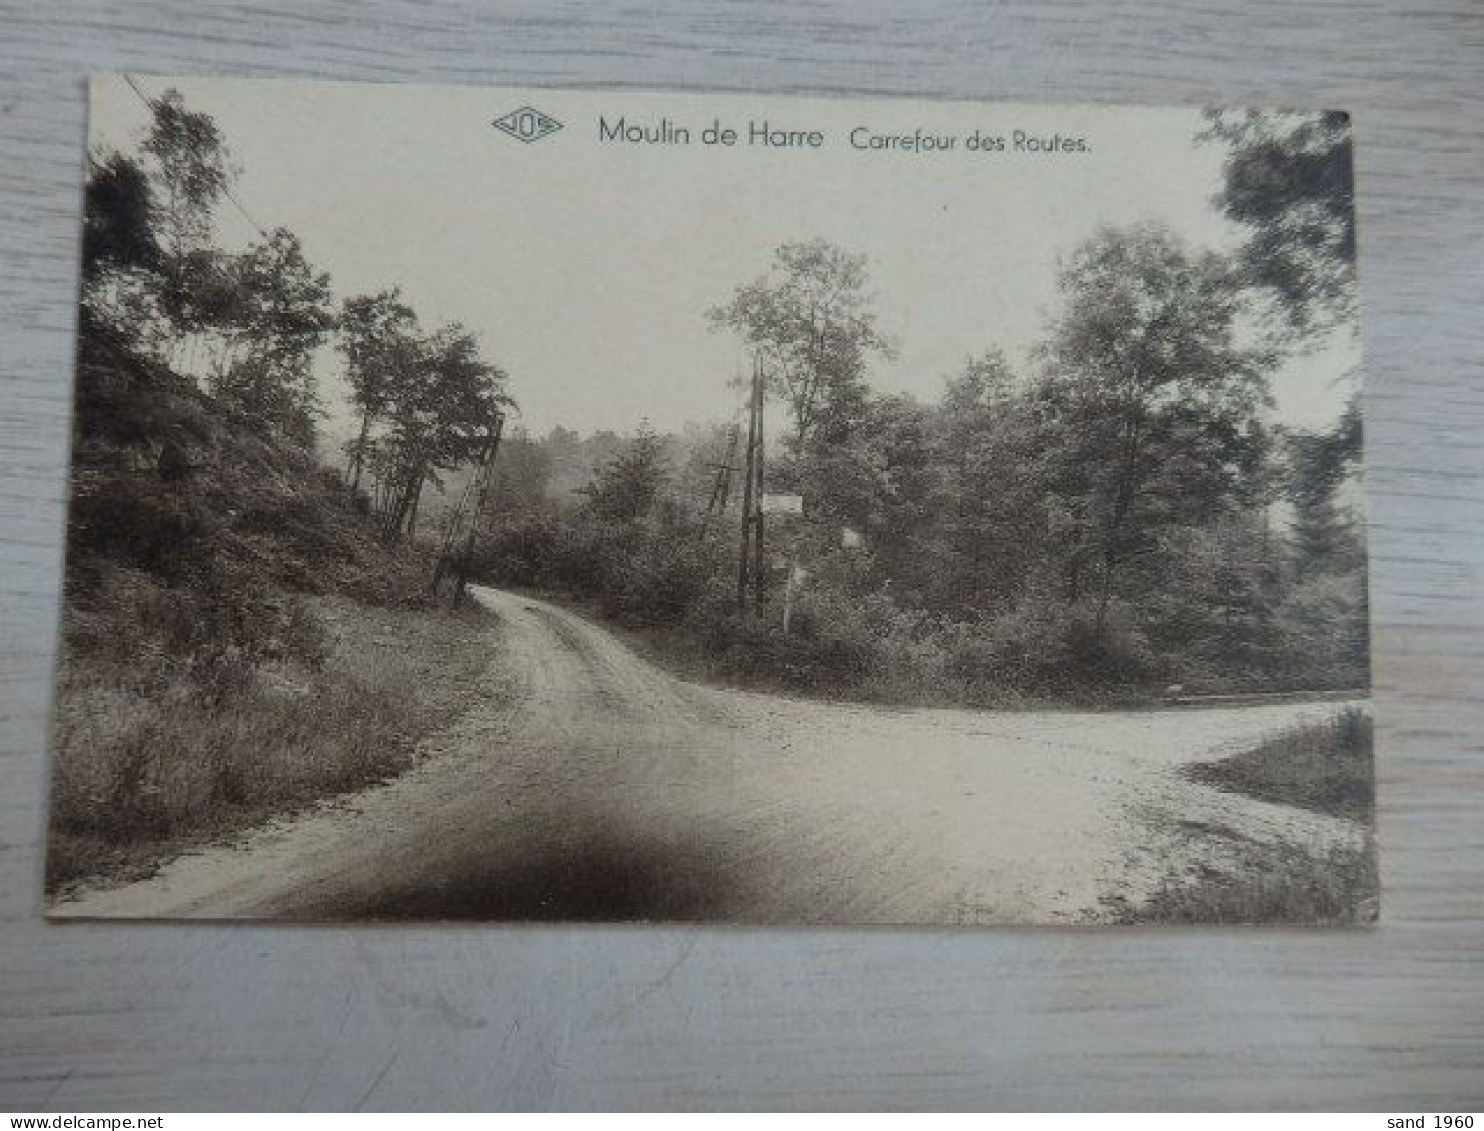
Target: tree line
[1122,511]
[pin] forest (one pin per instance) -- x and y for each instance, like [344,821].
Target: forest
[1121,516]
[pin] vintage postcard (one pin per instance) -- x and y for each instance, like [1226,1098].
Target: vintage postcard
[595,505]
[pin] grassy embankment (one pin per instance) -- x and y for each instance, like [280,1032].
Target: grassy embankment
[1326,767]
[237,642]
[149,763]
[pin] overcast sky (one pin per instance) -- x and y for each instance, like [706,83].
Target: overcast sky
[586,267]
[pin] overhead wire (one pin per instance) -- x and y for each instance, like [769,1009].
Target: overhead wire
[232,198]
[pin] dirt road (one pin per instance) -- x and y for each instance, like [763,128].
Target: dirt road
[590,785]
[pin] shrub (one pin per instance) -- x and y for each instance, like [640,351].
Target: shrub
[1282,885]
[136,765]
[1042,646]
[831,645]
[1113,653]
[521,550]
[1326,630]
[1326,766]
[215,633]
[139,522]
[856,633]
[666,574]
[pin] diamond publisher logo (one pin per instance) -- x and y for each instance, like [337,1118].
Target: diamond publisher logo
[527,124]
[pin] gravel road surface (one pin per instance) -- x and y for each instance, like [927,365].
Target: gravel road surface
[588,784]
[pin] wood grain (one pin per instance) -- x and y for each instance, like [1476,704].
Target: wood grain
[156,1017]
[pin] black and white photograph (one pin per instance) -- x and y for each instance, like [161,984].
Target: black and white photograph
[524,505]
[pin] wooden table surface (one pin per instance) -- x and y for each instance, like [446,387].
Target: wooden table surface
[158,1017]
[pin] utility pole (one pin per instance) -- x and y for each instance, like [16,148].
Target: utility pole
[487,475]
[750,553]
[757,494]
[744,552]
[478,490]
[721,486]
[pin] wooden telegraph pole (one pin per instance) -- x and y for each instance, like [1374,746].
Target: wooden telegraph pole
[744,551]
[757,496]
[721,486]
[750,554]
[477,495]
[486,479]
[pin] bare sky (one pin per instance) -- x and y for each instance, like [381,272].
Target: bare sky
[586,266]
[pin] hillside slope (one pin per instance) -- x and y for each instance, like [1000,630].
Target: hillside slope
[220,590]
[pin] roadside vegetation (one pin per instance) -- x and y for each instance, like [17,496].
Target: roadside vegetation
[245,630]
[152,758]
[1118,514]
[1289,886]
[1327,767]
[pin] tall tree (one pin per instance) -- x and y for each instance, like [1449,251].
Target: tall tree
[379,340]
[1324,533]
[282,315]
[118,217]
[628,486]
[191,169]
[522,476]
[809,320]
[1149,405]
[441,412]
[121,255]
[989,515]
[1288,179]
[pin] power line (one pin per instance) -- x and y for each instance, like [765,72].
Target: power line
[150,104]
